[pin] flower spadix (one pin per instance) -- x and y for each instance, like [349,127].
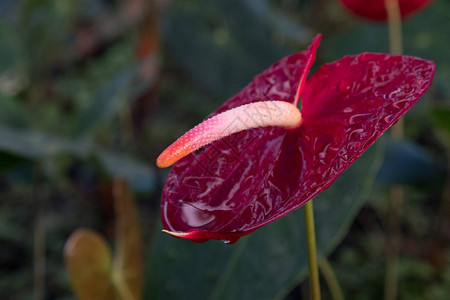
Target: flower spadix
[256,173]
[247,116]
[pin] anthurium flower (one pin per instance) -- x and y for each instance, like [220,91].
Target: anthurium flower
[237,180]
[376,9]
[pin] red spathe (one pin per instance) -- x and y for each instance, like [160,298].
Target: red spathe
[249,179]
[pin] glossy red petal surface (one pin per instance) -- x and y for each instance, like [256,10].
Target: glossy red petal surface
[348,104]
[247,180]
[375,9]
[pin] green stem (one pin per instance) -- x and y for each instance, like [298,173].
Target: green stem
[396,192]
[39,243]
[393,243]
[330,278]
[312,251]
[395,26]
[121,286]
[39,257]
[396,47]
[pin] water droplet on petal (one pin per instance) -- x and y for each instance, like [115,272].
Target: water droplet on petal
[194,216]
[226,241]
[344,86]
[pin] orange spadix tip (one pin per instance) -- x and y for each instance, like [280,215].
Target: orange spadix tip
[176,234]
[253,115]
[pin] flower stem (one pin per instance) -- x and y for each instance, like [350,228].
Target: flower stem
[395,26]
[39,242]
[396,192]
[393,243]
[330,278]
[312,251]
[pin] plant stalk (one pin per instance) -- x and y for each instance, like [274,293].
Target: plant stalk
[312,251]
[39,243]
[395,26]
[393,243]
[39,257]
[396,192]
[330,278]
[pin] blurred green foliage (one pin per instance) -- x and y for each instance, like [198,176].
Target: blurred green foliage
[81,104]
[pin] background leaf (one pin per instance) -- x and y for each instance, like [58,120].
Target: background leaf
[231,35]
[37,145]
[407,163]
[88,261]
[110,98]
[441,118]
[128,265]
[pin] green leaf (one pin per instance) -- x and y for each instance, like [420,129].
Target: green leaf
[407,163]
[284,26]
[37,145]
[97,274]
[89,262]
[13,113]
[202,36]
[8,160]
[268,263]
[110,98]
[138,175]
[8,54]
[441,118]
[127,267]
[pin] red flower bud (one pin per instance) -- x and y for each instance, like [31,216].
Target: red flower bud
[376,10]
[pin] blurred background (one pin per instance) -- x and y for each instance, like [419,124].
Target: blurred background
[94,90]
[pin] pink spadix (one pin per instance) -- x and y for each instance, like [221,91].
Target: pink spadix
[253,115]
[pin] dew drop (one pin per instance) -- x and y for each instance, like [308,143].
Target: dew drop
[195,217]
[348,110]
[344,86]
[226,242]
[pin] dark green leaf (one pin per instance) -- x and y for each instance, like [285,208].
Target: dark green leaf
[407,163]
[8,55]
[11,112]
[285,27]
[37,145]
[8,160]
[89,263]
[441,118]
[229,35]
[111,97]
[138,175]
